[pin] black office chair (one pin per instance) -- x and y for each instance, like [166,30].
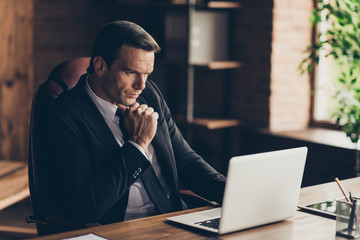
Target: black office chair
[64,76]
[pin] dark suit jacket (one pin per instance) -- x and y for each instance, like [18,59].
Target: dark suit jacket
[89,175]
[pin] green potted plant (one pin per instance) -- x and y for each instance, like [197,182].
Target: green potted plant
[340,42]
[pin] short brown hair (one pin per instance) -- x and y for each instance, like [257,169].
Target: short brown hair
[112,36]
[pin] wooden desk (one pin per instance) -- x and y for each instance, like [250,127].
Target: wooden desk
[301,226]
[14,187]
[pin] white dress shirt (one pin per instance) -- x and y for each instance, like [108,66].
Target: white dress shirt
[139,204]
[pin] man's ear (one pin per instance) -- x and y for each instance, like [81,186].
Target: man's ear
[100,65]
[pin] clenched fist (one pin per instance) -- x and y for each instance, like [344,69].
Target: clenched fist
[141,123]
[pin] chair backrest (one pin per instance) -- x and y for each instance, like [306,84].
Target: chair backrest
[62,77]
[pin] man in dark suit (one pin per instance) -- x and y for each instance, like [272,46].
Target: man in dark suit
[116,153]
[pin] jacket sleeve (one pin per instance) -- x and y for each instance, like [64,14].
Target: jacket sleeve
[86,181]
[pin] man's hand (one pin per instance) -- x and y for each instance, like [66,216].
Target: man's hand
[141,123]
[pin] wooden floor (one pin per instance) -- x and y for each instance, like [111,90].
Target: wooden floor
[14,216]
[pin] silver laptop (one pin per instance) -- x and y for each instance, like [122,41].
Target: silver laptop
[260,189]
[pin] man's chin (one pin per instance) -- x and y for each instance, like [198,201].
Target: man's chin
[128,103]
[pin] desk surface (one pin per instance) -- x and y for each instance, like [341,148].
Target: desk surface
[13,182]
[301,226]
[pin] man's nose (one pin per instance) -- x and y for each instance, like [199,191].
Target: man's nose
[140,81]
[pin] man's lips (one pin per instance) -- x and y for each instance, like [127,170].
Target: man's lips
[133,95]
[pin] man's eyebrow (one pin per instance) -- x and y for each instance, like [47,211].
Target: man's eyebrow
[127,69]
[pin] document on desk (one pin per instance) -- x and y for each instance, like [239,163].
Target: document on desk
[89,236]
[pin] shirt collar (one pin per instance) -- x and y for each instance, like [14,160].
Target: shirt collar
[106,109]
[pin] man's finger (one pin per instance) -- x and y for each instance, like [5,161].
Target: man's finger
[122,108]
[149,110]
[143,107]
[155,115]
[133,107]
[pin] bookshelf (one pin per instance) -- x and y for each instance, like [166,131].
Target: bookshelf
[219,65]
[213,123]
[223,4]
[194,34]
[208,46]
[209,4]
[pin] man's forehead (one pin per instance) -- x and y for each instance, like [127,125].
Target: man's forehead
[135,59]
[126,47]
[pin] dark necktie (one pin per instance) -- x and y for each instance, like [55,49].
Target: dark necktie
[121,125]
[151,182]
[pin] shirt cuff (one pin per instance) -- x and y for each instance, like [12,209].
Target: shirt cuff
[139,148]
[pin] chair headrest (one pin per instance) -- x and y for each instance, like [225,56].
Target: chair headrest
[65,76]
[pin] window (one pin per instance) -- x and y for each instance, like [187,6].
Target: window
[323,82]
[337,81]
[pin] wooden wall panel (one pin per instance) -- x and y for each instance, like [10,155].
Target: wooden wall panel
[16,77]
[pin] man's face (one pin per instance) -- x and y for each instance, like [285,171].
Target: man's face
[125,80]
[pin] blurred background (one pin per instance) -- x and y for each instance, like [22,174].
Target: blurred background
[228,71]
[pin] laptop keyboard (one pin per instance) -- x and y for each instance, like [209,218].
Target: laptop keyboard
[212,223]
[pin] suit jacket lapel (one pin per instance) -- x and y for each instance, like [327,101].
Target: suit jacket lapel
[91,115]
[164,154]
[100,129]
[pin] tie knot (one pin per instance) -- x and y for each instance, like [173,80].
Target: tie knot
[118,113]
